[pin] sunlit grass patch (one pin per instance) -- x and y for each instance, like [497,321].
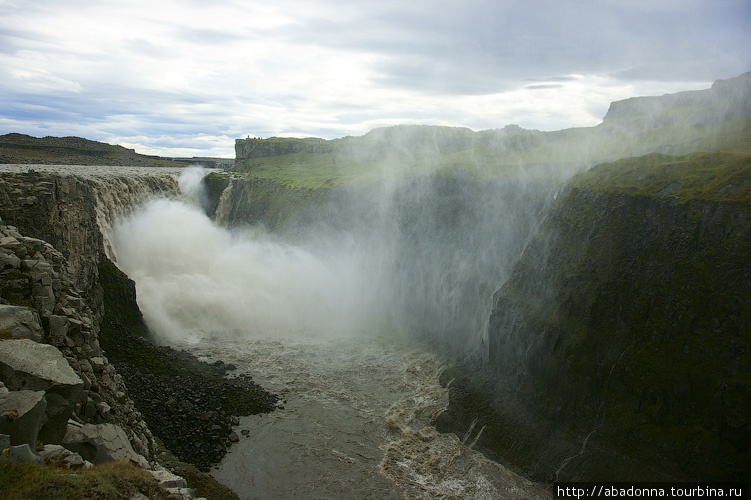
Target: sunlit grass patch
[723,177]
[109,481]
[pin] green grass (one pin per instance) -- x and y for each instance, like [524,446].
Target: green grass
[721,177]
[109,481]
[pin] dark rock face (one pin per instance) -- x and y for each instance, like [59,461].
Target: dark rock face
[189,404]
[214,184]
[623,332]
[76,300]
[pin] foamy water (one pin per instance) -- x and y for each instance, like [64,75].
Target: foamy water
[355,424]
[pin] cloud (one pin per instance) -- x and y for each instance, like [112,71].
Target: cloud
[190,70]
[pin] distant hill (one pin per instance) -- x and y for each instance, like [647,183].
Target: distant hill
[710,120]
[25,149]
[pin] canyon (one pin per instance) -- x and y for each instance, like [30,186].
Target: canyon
[587,290]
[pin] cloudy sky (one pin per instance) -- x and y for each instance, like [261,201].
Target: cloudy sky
[188,77]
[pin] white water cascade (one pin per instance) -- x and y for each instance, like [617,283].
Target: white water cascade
[358,400]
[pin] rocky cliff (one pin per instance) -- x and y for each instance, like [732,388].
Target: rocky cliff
[61,287]
[72,334]
[248,149]
[75,213]
[235,200]
[619,348]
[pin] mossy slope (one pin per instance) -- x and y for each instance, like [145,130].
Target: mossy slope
[627,320]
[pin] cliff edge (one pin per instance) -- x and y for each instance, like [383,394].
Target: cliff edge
[619,348]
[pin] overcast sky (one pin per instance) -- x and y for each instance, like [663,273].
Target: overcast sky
[188,77]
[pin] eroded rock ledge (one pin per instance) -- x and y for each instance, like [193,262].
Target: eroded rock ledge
[60,296]
[54,346]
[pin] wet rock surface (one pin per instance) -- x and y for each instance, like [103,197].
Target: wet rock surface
[193,414]
[623,330]
[189,404]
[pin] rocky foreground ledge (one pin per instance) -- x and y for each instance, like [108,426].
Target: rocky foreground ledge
[80,383]
[61,401]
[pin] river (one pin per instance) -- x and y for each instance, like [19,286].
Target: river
[355,424]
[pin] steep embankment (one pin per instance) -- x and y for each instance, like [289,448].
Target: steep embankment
[235,200]
[620,345]
[56,267]
[61,287]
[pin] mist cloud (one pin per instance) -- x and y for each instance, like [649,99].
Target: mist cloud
[194,277]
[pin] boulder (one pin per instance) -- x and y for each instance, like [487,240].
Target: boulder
[59,455]
[102,443]
[8,259]
[11,243]
[21,452]
[27,365]
[21,322]
[22,414]
[59,326]
[168,479]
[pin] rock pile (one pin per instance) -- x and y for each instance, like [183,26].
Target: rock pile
[39,302]
[194,415]
[61,401]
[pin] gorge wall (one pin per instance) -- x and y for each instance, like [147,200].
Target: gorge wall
[59,279]
[619,347]
[54,240]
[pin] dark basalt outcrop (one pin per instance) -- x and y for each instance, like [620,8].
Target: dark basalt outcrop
[620,348]
[189,404]
[87,309]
